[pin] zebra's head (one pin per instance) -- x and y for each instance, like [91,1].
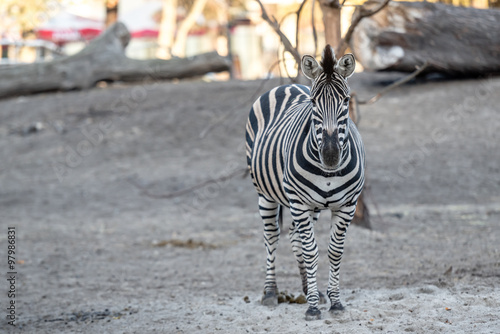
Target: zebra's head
[330,103]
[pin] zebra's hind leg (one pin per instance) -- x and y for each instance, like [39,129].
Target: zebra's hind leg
[297,251]
[340,223]
[269,211]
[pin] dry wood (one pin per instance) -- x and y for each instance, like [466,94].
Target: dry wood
[102,59]
[146,191]
[395,84]
[331,21]
[453,40]
[167,29]
[179,47]
[360,14]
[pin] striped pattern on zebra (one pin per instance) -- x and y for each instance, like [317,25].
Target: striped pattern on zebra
[303,152]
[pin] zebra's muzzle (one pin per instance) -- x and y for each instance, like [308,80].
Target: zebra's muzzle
[330,149]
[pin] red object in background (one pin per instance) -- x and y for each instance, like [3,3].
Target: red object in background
[66,27]
[145,33]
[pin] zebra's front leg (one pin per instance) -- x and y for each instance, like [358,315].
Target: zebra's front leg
[297,251]
[269,212]
[340,222]
[304,225]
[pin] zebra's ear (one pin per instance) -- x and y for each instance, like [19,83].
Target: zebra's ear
[346,65]
[310,67]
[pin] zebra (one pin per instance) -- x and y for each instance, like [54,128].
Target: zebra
[303,152]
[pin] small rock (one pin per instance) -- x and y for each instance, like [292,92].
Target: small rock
[33,128]
[448,271]
[58,126]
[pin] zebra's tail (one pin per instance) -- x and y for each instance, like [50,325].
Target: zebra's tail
[280,217]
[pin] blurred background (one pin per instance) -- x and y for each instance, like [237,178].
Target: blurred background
[40,30]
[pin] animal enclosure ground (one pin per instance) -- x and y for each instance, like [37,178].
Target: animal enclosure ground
[97,253]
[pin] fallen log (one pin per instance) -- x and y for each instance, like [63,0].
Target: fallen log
[103,59]
[452,40]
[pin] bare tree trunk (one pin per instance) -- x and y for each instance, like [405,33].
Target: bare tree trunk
[331,21]
[167,29]
[221,11]
[179,48]
[102,59]
[111,12]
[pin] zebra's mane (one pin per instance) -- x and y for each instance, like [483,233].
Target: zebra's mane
[328,62]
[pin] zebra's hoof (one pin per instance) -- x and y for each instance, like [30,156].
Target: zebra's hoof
[270,299]
[322,299]
[313,313]
[337,307]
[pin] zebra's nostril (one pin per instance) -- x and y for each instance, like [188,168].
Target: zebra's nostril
[330,152]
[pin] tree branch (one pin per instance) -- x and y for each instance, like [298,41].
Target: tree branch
[297,25]
[330,3]
[286,42]
[359,14]
[315,35]
[144,191]
[395,84]
[179,46]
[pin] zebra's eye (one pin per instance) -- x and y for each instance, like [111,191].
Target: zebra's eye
[313,102]
[318,128]
[346,100]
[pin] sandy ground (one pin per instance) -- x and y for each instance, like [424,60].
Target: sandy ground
[98,253]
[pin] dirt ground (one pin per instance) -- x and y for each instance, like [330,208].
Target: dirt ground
[98,252]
